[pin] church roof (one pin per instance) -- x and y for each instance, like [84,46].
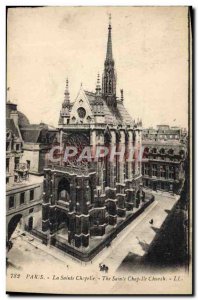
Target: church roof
[118,115]
[125,116]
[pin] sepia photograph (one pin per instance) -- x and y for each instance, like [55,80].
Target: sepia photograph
[99,150]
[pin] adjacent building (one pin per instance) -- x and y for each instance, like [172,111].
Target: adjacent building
[37,142]
[164,158]
[14,143]
[24,191]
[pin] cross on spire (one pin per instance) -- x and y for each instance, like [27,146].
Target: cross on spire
[109,19]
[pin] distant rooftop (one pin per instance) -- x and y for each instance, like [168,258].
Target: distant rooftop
[163,142]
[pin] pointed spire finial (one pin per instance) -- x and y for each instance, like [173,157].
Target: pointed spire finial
[8,94]
[110,21]
[98,88]
[122,95]
[98,79]
[66,99]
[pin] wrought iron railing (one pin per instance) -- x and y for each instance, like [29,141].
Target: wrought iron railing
[39,235]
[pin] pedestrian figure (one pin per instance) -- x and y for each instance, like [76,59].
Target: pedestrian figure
[103,268]
[151,221]
[106,269]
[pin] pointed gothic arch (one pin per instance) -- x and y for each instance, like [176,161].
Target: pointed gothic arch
[13,224]
[64,190]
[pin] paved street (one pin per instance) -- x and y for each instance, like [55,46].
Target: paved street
[137,237]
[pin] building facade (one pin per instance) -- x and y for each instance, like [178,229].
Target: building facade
[14,143]
[23,192]
[23,205]
[87,199]
[164,158]
[37,142]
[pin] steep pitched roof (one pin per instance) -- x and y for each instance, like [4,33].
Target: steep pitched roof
[93,100]
[125,116]
[31,133]
[118,115]
[10,125]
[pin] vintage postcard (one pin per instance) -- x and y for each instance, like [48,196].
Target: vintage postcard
[99,150]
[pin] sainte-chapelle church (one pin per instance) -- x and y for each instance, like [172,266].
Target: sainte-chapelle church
[86,203]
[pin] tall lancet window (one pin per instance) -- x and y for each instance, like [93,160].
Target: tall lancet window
[109,86]
[106,87]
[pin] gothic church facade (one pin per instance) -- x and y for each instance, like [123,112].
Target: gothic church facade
[83,201]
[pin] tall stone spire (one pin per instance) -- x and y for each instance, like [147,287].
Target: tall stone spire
[109,54]
[109,76]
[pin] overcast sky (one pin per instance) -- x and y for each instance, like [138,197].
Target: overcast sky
[150,48]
